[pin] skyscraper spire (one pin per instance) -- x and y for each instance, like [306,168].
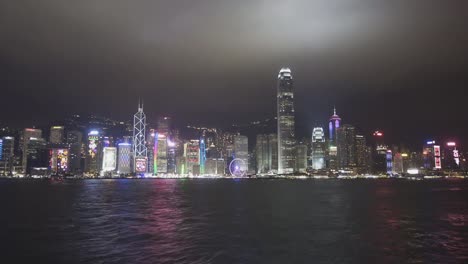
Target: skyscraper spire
[334,110]
[140,104]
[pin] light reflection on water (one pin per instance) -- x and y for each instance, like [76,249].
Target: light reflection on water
[226,221]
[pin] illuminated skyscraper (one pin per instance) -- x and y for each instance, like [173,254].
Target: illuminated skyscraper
[56,134]
[59,160]
[286,134]
[333,125]
[150,146]
[241,151]
[266,151]
[262,154]
[398,166]
[318,148]
[389,161]
[27,135]
[450,156]
[346,146]
[428,155]
[75,140]
[362,154]
[37,155]
[124,158]
[171,155]
[139,138]
[273,150]
[8,148]
[192,158]
[379,156]
[161,154]
[202,155]
[161,149]
[93,153]
[301,158]
[164,125]
[109,159]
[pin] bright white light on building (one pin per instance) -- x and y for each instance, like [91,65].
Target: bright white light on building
[413,171]
[170,143]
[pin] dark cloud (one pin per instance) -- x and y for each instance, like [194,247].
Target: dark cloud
[384,63]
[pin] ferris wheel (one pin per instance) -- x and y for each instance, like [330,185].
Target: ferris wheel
[237,167]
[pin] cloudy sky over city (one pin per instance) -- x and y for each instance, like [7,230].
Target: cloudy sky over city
[384,64]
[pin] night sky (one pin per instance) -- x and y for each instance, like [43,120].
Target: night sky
[398,65]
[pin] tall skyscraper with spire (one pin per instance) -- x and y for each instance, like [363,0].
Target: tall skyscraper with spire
[333,125]
[286,138]
[139,137]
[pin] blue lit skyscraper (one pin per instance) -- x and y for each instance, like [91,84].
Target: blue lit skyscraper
[389,160]
[202,155]
[286,134]
[333,125]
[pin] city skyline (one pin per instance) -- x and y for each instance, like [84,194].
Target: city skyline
[345,152]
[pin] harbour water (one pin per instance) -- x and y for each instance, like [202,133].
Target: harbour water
[234,221]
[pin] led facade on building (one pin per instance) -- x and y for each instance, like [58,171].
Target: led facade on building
[318,148]
[192,156]
[109,159]
[8,147]
[151,138]
[202,156]
[437,157]
[124,158]
[161,153]
[140,165]
[59,160]
[333,125]
[389,159]
[94,152]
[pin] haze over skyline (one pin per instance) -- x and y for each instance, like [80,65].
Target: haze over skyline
[396,65]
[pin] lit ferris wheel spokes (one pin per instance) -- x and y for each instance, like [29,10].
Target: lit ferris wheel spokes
[237,167]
